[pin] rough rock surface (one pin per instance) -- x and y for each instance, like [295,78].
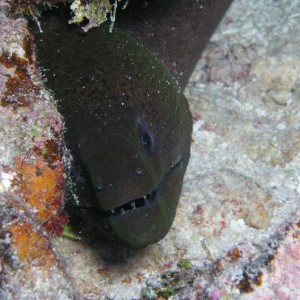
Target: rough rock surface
[31,174]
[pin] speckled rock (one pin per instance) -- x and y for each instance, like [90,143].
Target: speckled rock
[31,174]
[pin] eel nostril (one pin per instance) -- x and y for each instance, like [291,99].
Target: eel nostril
[99,187]
[138,172]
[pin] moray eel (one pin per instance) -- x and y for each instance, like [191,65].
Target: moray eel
[128,128]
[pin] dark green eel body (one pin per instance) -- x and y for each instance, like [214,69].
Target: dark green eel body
[128,126]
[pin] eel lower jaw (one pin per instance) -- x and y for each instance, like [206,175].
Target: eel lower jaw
[143,220]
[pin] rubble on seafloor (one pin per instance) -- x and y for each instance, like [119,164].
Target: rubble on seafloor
[236,233]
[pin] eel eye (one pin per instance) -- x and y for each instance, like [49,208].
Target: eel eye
[147,138]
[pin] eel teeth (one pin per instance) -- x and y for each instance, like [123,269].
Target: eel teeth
[133,204]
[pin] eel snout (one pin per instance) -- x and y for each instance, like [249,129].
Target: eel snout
[143,201]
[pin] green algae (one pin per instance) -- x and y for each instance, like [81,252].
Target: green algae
[95,12]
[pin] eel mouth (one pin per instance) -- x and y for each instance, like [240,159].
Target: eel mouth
[133,205]
[140,202]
